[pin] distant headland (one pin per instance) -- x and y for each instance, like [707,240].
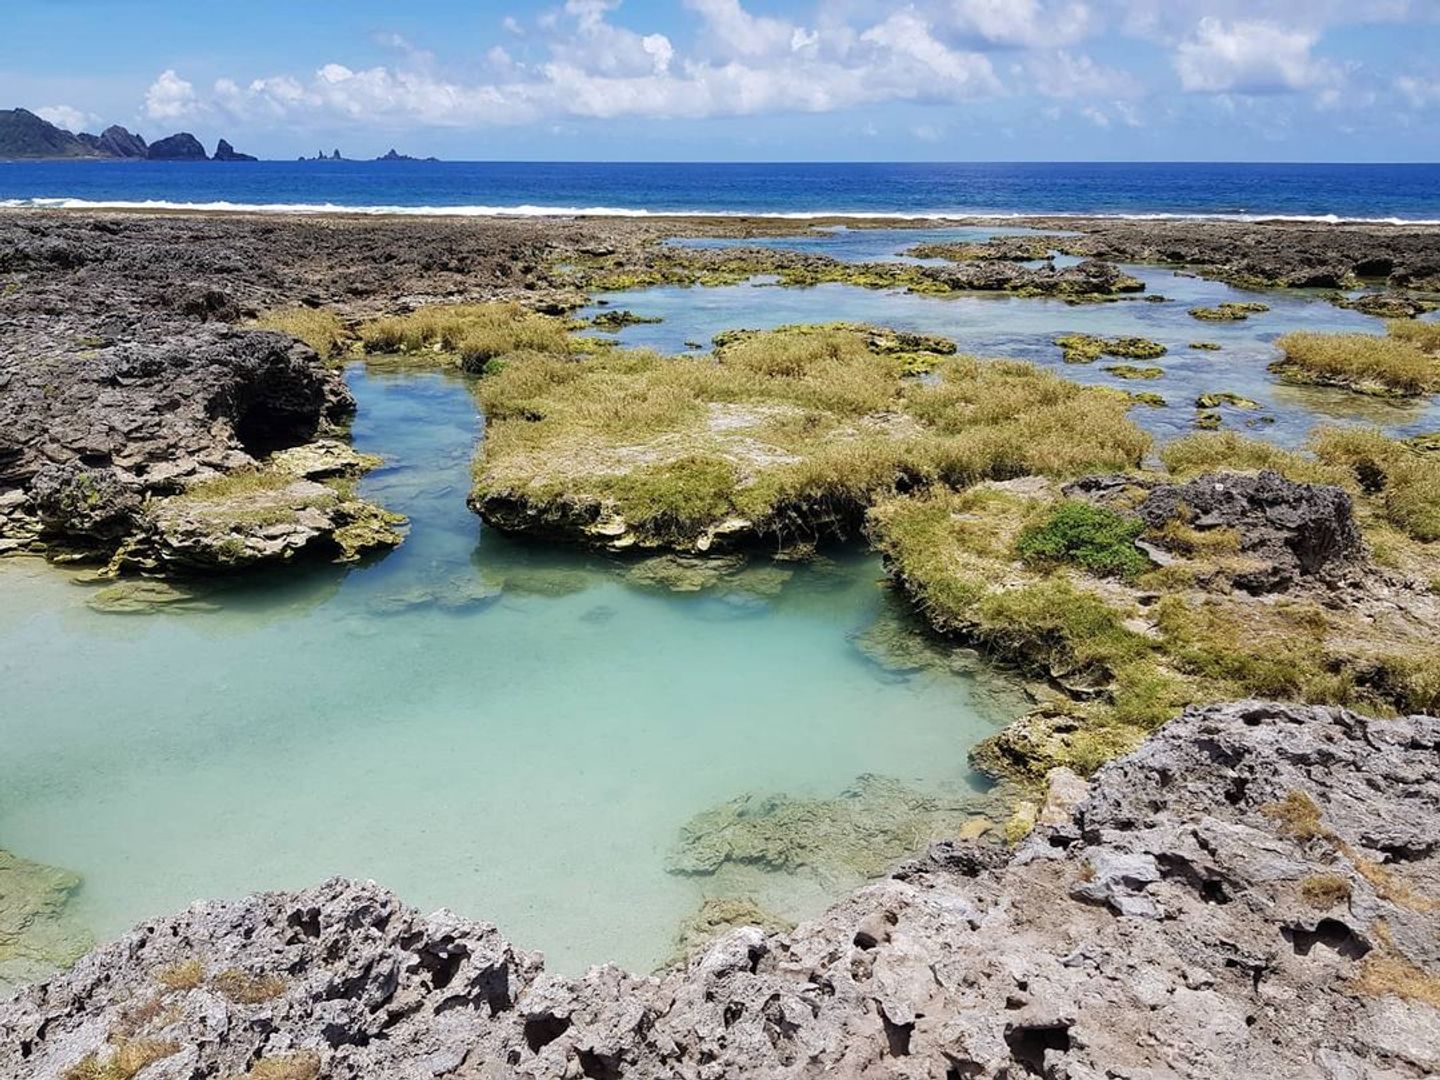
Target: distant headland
[25,136]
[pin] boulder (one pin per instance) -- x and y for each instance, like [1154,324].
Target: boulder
[1292,531]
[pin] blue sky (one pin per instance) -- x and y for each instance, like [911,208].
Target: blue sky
[1323,80]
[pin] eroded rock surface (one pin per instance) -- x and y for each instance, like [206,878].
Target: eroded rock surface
[1252,893]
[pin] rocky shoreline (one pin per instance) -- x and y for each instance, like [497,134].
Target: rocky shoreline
[150,424]
[1251,893]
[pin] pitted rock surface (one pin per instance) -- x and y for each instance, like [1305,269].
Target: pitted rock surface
[1166,930]
[1294,531]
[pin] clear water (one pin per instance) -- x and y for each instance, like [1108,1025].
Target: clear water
[1026,328]
[525,758]
[1409,192]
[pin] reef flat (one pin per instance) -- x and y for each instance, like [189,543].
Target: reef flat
[172,406]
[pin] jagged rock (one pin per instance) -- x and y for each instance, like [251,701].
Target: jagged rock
[970,962]
[85,439]
[1291,530]
[225,152]
[118,142]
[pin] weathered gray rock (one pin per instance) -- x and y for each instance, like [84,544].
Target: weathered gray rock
[959,966]
[1292,530]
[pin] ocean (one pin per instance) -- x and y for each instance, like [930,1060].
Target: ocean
[1409,193]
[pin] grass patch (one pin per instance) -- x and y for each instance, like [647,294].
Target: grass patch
[1402,481]
[1297,816]
[243,988]
[184,975]
[472,335]
[301,1065]
[1100,540]
[791,432]
[1325,891]
[321,330]
[1402,364]
[1394,976]
[125,1058]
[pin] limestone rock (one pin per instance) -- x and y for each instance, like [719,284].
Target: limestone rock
[1293,530]
[1046,961]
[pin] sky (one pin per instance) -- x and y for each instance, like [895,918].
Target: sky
[745,80]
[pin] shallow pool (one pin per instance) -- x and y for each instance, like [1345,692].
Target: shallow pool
[516,733]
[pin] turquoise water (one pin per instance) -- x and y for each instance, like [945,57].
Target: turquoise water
[1025,328]
[515,734]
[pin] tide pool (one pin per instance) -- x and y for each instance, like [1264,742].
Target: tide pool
[514,731]
[1026,328]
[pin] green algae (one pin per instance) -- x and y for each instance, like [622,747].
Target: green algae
[1229,311]
[860,833]
[38,933]
[1134,371]
[1225,397]
[1086,348]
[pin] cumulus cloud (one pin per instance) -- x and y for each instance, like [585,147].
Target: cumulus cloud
[170,97]
[64,116]
[1249,57]
[596,68]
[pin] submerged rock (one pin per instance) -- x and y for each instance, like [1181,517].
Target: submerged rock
[1046,961]
[37,931]
[142,597]
[860,833]
[719,914]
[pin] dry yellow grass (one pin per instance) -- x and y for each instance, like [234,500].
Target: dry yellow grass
[321,330]
[123,1060]
[1395,366]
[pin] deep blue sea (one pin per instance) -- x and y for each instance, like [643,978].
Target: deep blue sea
[1406,192]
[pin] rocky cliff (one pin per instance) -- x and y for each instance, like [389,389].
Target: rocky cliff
[1252,893]
[23,135]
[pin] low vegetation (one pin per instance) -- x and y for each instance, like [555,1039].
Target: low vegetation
[471,335]
[1060,589]
[1230,311]
[1086,348]
[787,434]
[1405,363]
[123,1059]
[322,330]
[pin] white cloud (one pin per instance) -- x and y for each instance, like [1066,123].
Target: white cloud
[1021,23]
[1420,92]
[170,97]
[66,117]
[1062,74]
[738,33]
[597,69]
[1248,57]
[1095,116]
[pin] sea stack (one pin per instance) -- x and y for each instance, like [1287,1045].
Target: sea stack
[181,147]
[225,152]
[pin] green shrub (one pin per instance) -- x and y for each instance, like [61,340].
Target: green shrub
[1090,536]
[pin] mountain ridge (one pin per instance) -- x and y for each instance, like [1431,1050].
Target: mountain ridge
[24,136]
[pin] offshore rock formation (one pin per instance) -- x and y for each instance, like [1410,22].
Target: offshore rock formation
[116,141]
[1251,893]
[179,147]
[225,152]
